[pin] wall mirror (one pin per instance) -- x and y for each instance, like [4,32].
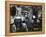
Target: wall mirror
[23,18]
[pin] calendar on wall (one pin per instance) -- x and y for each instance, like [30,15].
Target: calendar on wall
[24,18]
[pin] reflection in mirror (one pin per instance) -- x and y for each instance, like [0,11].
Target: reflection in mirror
[25,18]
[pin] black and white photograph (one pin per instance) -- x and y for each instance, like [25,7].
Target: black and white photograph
[24,18]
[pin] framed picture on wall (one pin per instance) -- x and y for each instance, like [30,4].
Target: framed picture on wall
[24,18]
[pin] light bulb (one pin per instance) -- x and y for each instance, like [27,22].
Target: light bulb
[34,16]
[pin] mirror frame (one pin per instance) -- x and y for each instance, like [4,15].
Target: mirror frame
[7,18]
